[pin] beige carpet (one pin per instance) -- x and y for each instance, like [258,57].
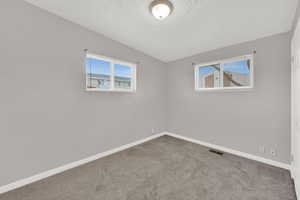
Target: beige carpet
[164,169]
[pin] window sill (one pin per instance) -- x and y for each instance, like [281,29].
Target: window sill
[109,90]
[226,90]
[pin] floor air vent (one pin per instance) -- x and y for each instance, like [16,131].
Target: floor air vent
[216,152]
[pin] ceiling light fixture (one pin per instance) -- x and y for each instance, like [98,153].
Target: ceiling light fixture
[161,9]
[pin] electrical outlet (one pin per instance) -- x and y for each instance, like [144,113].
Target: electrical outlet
[273,152]
[262,149]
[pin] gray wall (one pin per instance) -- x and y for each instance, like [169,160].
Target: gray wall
[47,118]
[296,18]
[238,120]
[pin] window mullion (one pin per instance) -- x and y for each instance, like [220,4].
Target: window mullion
[133,78]
[221,75]
[112,77]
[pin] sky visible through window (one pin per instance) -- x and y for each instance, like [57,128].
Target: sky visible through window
[97,66]
[203,71]
[122,70]
[240,67]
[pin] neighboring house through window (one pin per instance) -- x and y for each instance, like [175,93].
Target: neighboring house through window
[234,73]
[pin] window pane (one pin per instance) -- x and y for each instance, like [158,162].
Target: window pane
[209,76]
[236,74]
[98,73]
[123,76]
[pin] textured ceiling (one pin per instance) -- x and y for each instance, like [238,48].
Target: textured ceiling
[195,26]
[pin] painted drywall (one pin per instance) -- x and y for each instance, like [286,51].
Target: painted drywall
[47,118]
[296,18]
[295,109]
[238,120]
[164,39]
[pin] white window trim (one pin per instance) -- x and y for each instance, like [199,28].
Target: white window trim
[221,63]
[112,82]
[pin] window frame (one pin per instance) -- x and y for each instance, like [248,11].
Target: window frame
[221,63]
[112,62]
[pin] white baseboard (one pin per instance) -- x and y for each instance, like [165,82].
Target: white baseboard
[297,188]
[43,175]
[232,151]
[296,180]
[292,170]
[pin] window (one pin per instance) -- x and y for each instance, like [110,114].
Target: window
[235,73]
[107,74]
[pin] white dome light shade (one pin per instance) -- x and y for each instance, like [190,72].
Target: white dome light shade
[161,9]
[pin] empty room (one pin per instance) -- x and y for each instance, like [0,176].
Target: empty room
[149,100]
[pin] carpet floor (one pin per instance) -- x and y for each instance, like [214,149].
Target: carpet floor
[164,169]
